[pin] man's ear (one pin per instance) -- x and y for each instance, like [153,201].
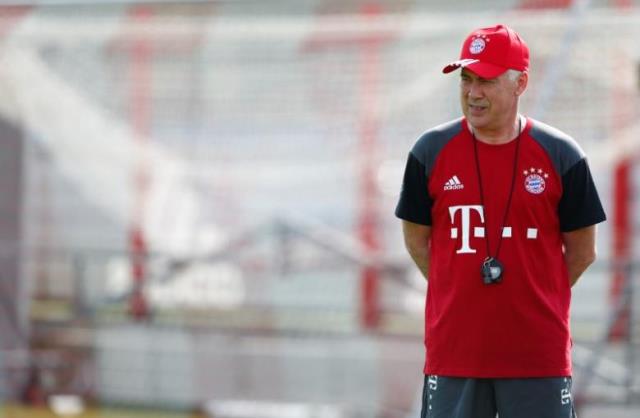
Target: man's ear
[522,82]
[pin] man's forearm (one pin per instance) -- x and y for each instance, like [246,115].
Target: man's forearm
[420,256]
[417,241]
[576,265]
[579,251]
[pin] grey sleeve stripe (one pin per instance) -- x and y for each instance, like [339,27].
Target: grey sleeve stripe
[430,144]
[563,150]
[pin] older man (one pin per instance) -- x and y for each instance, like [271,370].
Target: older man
[499,213]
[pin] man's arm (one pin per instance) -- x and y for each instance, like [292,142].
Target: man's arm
[579,251]
[417,241]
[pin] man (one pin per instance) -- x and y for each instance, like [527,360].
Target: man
[499,214]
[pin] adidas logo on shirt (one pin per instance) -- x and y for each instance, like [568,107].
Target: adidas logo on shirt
[453,183]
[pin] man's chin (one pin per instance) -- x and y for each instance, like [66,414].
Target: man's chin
[477,122]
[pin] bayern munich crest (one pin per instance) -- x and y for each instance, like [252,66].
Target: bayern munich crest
[534,181]
[478,44]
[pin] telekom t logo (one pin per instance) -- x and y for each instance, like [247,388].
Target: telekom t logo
[466,229]
[478,231]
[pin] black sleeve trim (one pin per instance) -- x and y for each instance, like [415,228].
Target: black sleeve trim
[580,204]
[415,203]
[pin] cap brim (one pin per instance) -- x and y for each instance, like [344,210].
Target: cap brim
[482,69]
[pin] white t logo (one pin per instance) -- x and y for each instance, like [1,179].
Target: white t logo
[466,229]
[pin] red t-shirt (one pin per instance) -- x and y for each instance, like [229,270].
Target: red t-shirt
[520,326]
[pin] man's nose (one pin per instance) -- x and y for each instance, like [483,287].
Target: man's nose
[474,91]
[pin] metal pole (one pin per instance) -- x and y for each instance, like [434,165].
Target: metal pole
[368,228]
[140,77]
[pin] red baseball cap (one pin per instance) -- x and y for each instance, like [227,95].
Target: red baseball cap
[489,52]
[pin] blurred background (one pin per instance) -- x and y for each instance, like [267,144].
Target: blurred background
[197,200]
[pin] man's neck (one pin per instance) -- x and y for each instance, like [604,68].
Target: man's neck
[499,136]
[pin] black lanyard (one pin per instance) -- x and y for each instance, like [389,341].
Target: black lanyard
[513,182]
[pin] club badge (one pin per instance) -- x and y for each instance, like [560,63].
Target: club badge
[534,181]
[478,44]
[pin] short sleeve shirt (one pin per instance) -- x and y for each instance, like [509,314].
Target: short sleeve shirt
[520,326]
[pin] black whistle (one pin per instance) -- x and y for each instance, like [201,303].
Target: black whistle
[491,271]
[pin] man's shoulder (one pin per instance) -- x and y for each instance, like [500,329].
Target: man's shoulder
[431,142]
[563,149]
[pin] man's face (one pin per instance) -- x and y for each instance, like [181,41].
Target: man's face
[490,104]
